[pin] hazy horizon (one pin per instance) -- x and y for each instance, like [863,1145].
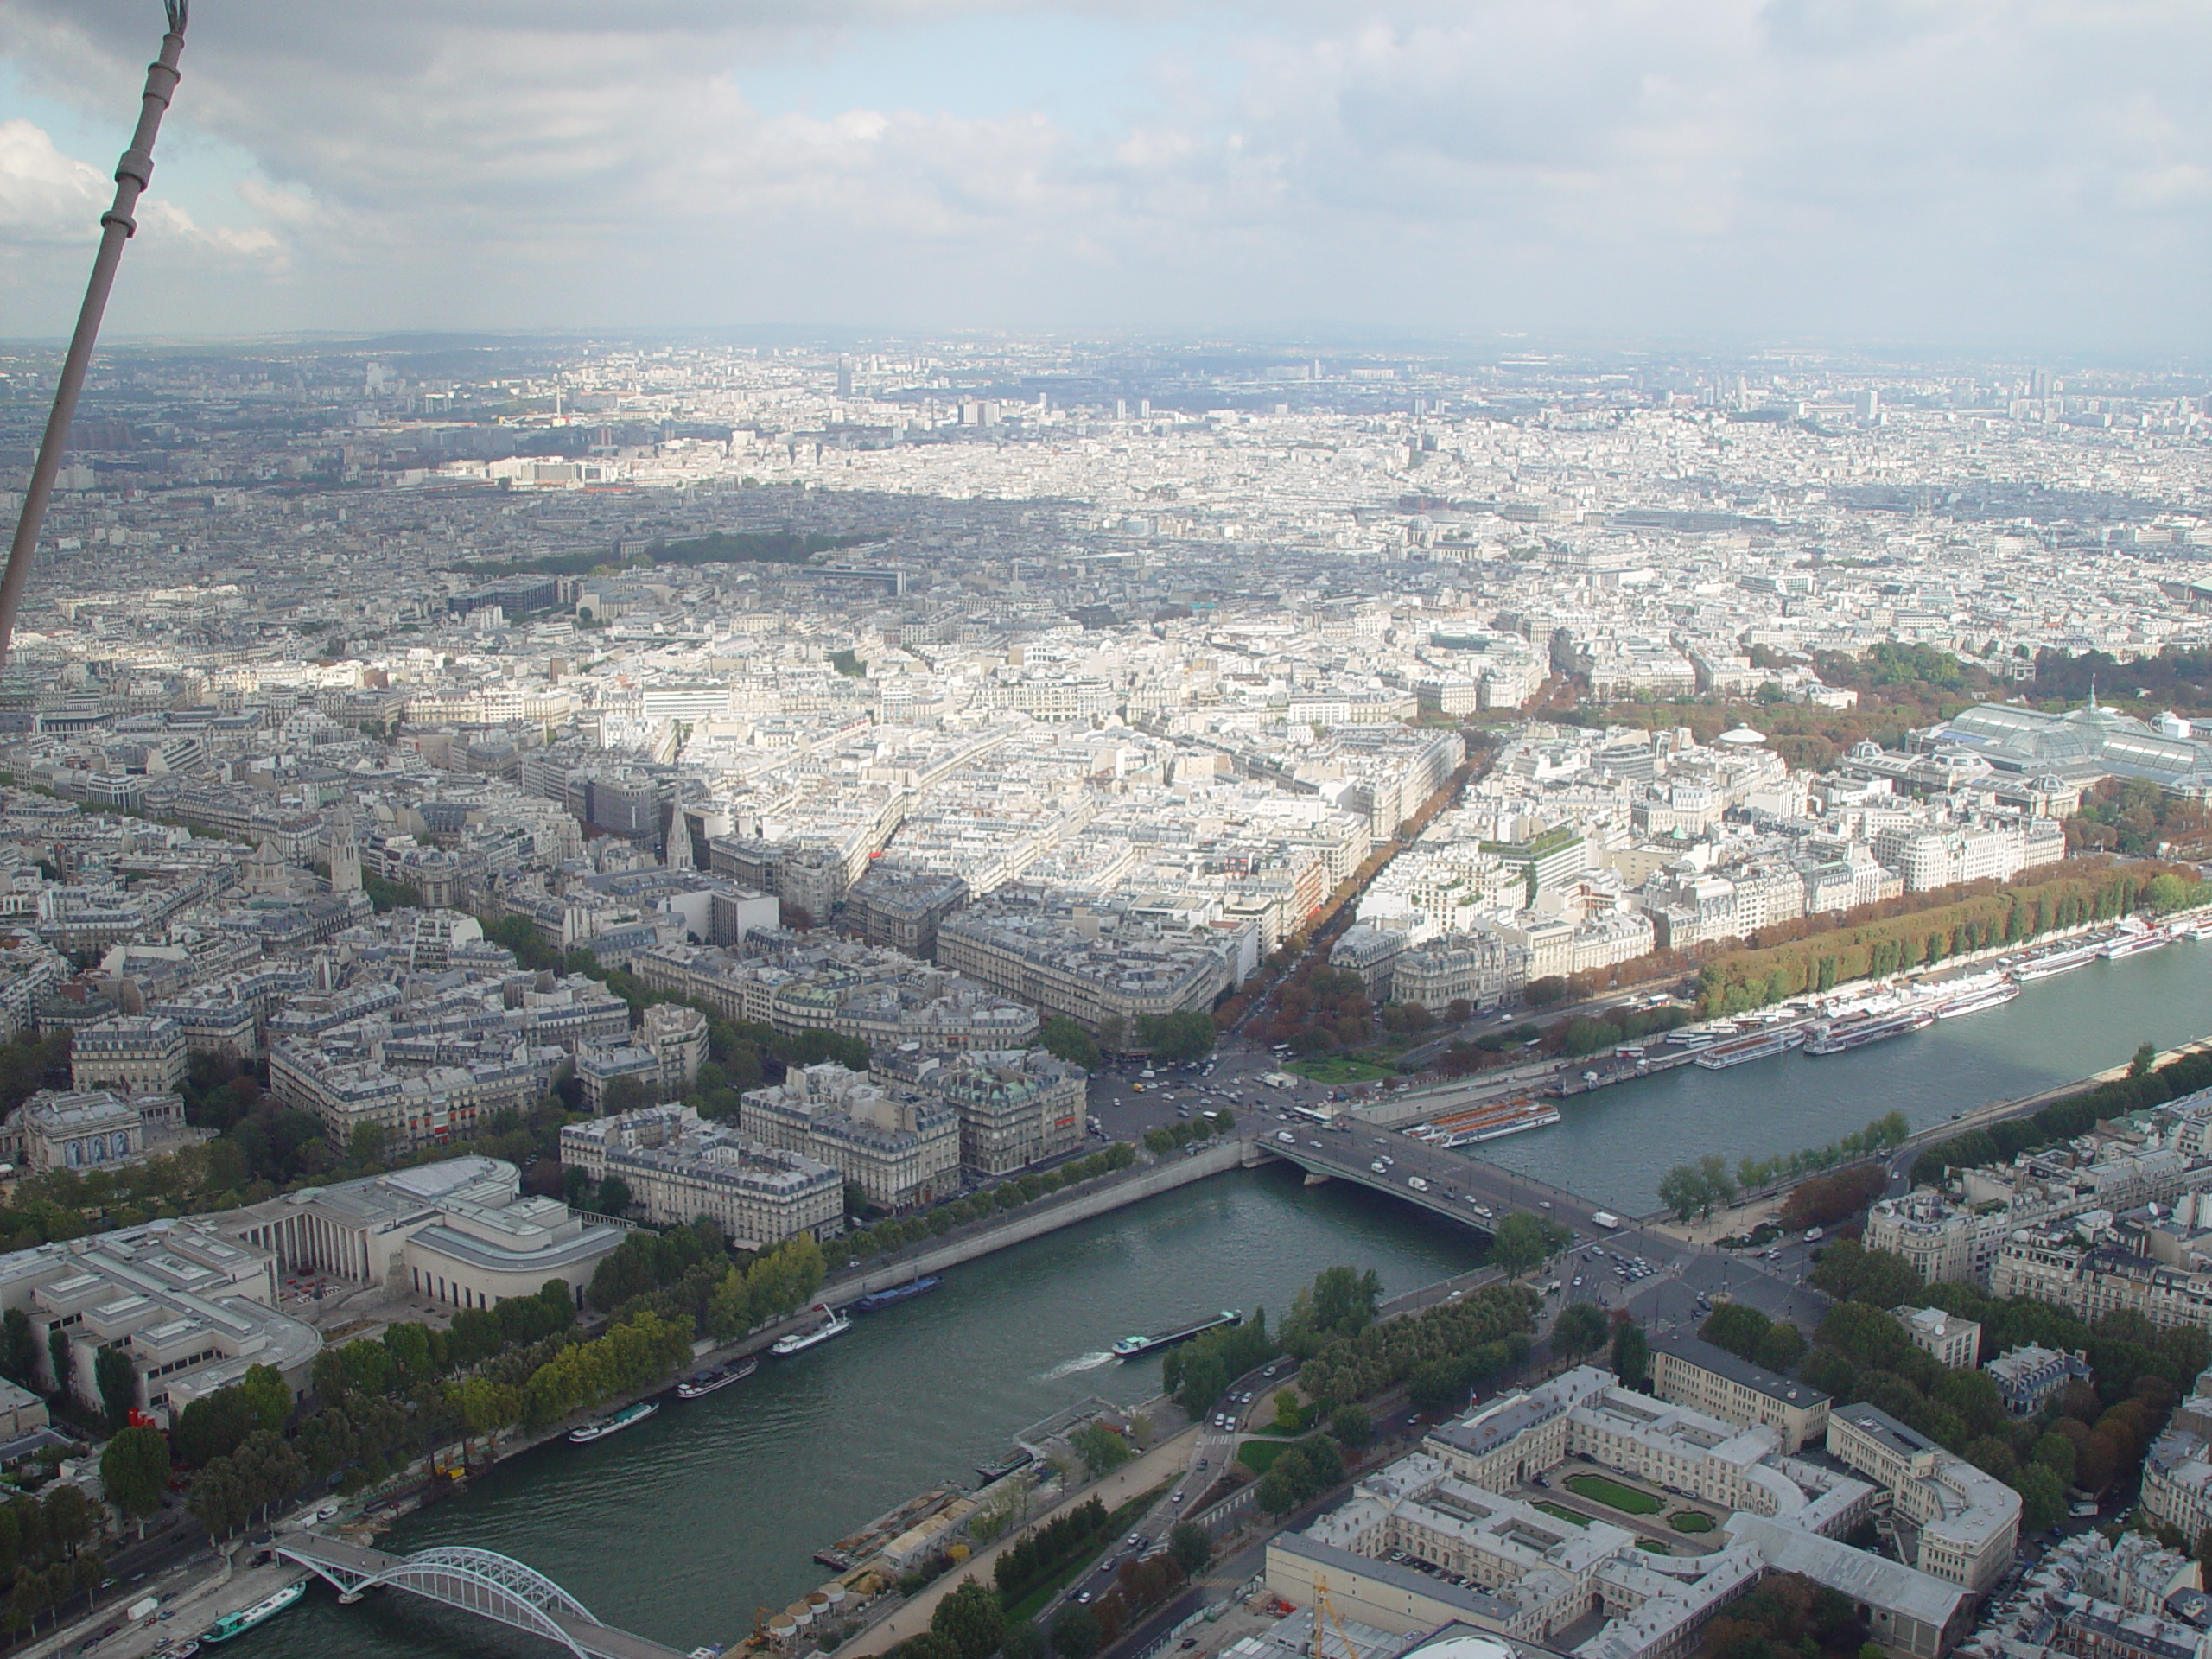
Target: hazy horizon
[2024,176]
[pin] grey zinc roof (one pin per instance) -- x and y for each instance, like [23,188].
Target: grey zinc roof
[1858,1573]
[1719,1361]
[1398,1578]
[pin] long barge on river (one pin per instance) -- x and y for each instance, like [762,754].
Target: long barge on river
[1741,1051]
[876,1301]
[2056,962]
[1487,1122]
[1131,1347]
[1841,1038]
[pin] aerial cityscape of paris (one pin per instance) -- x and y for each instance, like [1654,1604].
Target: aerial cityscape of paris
[1015,830]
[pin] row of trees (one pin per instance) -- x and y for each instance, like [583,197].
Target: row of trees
[1197,1372]
[642,1349]
[1175,1038]
[232,1491]
[894,1233]
[1827,1199]
[45,1549]
[1381,1356]
[2075,1113]
[1579,1034]
[1042,1551]
[1752,978]
[1300,1472]
[385,1400]
[1320,1008]
[1700,1188]
[1168,1138]
[778,1284]
[646,1261]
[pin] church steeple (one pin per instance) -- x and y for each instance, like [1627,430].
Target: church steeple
[345,854]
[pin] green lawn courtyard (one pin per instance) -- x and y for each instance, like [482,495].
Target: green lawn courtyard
[1614,1496]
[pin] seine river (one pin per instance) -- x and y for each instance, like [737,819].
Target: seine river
[1615,1143]
[681,1527]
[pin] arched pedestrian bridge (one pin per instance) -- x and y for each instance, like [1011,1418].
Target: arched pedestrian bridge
[479,1581]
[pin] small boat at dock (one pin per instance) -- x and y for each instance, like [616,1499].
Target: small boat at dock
[700,1384]
[599,1428]
[833,1324]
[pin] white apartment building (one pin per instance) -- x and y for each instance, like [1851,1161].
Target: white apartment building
[133,1054]
[1965,1523]
[679,1167]
[899,1147]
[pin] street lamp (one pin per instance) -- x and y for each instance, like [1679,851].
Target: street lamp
[132,174]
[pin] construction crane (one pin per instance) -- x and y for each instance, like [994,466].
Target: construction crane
[1324,1608]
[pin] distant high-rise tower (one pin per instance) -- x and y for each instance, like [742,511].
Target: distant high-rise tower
[844,377]
[345,857]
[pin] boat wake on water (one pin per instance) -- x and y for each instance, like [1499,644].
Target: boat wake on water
[1080,1362]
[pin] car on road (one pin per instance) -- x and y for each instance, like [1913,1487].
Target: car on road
[1084,1600]
[1136,1541]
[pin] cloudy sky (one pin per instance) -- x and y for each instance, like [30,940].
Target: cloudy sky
[1962,174]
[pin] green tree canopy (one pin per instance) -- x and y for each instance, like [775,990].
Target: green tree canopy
[1632,1354]
[118,1380]
[1065,1039]
[1101,1450]
[1352,1425]
[135,1468]
[1176,1037]
[1519,1243]
[1190,1547]
[1076,1634]
[971,1619]
[1580,1327]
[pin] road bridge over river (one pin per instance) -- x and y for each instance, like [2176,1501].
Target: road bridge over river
[1460,1186]
[1452,1183]
[477,1581]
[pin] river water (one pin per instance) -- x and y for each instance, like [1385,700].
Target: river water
[681,1527]
[1615,1143]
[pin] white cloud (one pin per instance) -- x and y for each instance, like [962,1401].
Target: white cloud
[46,197]
[1970,169]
